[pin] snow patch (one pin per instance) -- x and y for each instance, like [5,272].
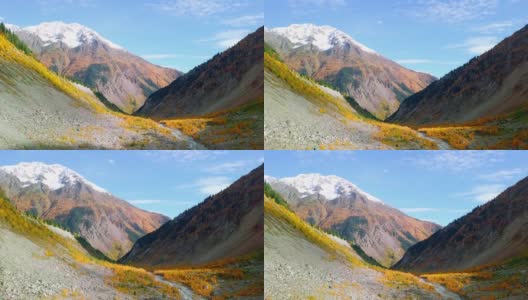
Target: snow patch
[53,176]
[331,187]
[72,35]
[322,37]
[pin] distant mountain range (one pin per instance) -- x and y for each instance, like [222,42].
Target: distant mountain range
[336,205]
[329,55]
[80,53]
[492,233]
[229,80]
[492,84]
[59,194]
[224,226]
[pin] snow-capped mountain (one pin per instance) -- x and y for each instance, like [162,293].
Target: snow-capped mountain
[327,54]
[53,176]
[78,52]
[331,187]
[72,35]
[383,232]
[323,37]
[55,192]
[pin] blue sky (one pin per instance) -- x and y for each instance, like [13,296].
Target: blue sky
[163,181]
[439,186]
[433,36]
[174,33]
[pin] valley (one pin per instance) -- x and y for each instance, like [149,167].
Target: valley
[63,237]
[319,244]
[64,86]
[347,96]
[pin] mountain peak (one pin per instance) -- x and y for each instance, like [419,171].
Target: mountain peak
[323,37]
[72,35]
[54,176]
[330,186]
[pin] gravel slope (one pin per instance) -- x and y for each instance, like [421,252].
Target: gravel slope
[293,122]
[27,273]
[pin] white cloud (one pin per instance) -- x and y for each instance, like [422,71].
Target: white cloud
[229,167]
[145,201]
[228,38]
[169,56]
[413,61]
[195,7]
[453,11]
[1,19]
[184,156]
[320,3]
[418,209]
[457,160]
[207,185]
[111,161]
[212,185]
[245,21]
[493,27]
[502,175]
[482,193]
[476,45]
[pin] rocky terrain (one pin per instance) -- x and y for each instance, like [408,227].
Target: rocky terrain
[327,54]
[490,85]
[56,193]
[490,234]
[336,205]
[80,53]
[43,110]
[303,263]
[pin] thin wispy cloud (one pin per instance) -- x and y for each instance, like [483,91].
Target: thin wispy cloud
[245,21]
[230,167]
[418,61]
[200,8]
[111,161]
[171,56]
[503,175]
[184,156]
[145,201]
[418,209]
[453,11]
[311,3]
[482,193]
[476,45]
[492,28]
[226,39]
[207,185]
[457,160]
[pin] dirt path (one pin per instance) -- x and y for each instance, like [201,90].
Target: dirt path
[186,293]
[442,145]
[193,145]
[440,289]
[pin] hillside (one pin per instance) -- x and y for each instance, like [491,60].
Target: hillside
[224,226]
[43,110]
[492,233]
[492,84]
[229,80]
[304,263]
[80,53]
[58,194]
[323,118]
[331,56]
[336,205]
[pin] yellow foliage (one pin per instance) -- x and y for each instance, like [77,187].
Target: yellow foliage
[313,234]
[11,53]
[400,137]
[309,89]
